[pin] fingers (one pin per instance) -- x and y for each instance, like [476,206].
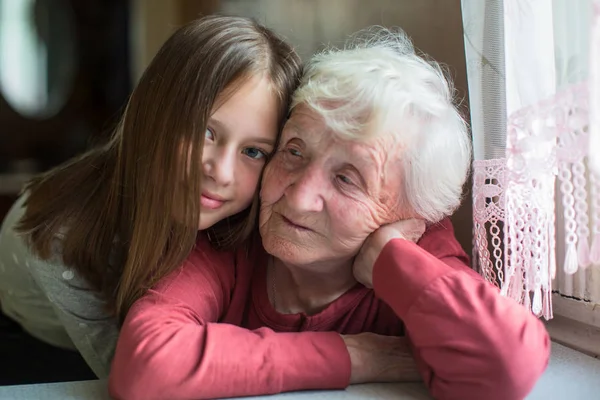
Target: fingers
[410,229]
[415,224]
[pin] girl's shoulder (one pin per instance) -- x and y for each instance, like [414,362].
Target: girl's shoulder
[203,264]
[204,252]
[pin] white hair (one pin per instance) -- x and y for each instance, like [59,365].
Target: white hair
[377,84]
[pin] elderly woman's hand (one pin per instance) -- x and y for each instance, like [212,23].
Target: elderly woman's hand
[379,358]
[408,229]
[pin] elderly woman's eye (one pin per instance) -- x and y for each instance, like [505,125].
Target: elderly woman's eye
[344,179]
[295,152]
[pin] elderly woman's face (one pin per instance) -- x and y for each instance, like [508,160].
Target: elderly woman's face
[322,194]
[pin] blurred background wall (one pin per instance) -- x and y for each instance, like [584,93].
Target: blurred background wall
[67,66]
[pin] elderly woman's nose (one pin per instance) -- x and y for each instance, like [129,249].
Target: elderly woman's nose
[306,192]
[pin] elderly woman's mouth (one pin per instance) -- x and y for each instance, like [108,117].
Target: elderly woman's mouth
[293,224]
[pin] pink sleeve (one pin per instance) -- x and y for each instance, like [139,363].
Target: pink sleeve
[171,346]
[470,342]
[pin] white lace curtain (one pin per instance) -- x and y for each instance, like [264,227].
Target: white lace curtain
[534,88]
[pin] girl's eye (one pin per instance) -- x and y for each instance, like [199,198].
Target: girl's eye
[208,134]
[254,153]
[344,179]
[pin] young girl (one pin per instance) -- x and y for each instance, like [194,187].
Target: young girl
[89,237]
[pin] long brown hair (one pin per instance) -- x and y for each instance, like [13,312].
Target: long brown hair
[116,204]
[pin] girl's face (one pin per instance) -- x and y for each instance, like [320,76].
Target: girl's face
[241,133]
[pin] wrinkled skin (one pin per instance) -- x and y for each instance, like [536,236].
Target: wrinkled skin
[337,190]
[322,196]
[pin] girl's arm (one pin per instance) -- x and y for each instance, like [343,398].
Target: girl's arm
[172,345]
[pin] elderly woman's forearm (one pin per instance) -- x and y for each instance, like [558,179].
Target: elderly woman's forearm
[469,341]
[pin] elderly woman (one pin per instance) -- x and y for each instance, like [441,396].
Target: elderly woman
[374,150]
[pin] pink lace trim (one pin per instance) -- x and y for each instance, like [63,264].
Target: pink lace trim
[514,200]
[488,218]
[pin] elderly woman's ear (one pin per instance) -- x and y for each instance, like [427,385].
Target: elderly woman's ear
[408,229]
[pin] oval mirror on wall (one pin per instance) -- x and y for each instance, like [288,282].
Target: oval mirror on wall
[37,55]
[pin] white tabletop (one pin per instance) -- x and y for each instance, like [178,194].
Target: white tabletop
[570,375]
[96,390]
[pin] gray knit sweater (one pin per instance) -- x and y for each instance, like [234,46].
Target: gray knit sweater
[52,302]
